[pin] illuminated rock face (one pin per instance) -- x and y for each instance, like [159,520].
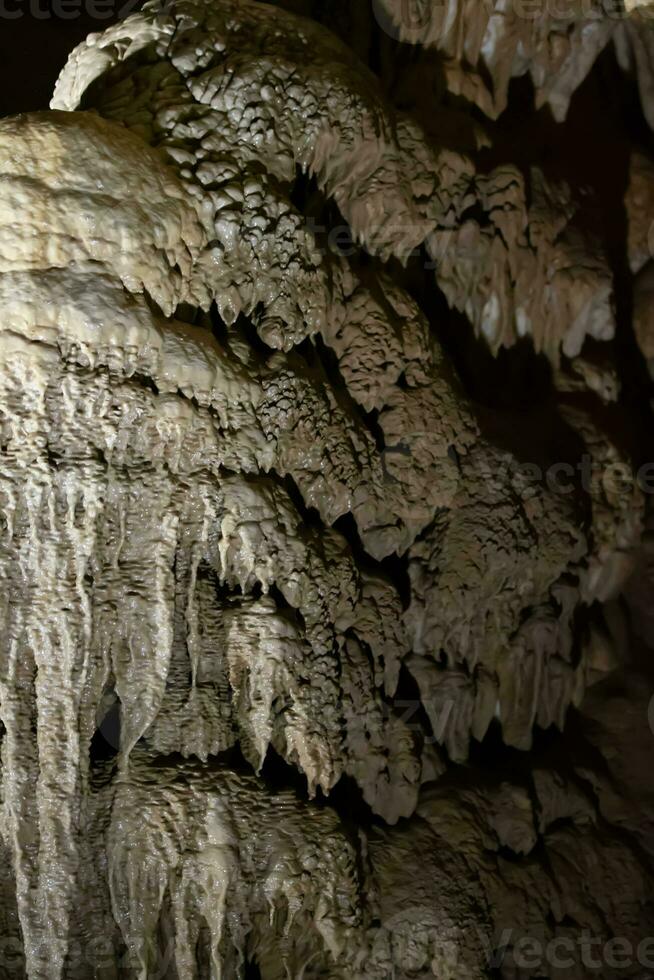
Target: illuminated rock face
[486,45]
[284,606]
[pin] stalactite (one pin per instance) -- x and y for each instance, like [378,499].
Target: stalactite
[261,539]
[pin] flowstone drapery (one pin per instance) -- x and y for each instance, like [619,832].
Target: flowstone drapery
[286,607]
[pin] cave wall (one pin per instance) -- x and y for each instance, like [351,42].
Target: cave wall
[324,498]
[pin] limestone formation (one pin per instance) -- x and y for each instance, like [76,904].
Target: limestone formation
[313,649]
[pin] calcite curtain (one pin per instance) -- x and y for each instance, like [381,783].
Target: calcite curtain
[325,483]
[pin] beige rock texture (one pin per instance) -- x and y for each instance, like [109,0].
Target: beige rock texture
[322,656]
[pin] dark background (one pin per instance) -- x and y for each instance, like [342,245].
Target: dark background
[34,47]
